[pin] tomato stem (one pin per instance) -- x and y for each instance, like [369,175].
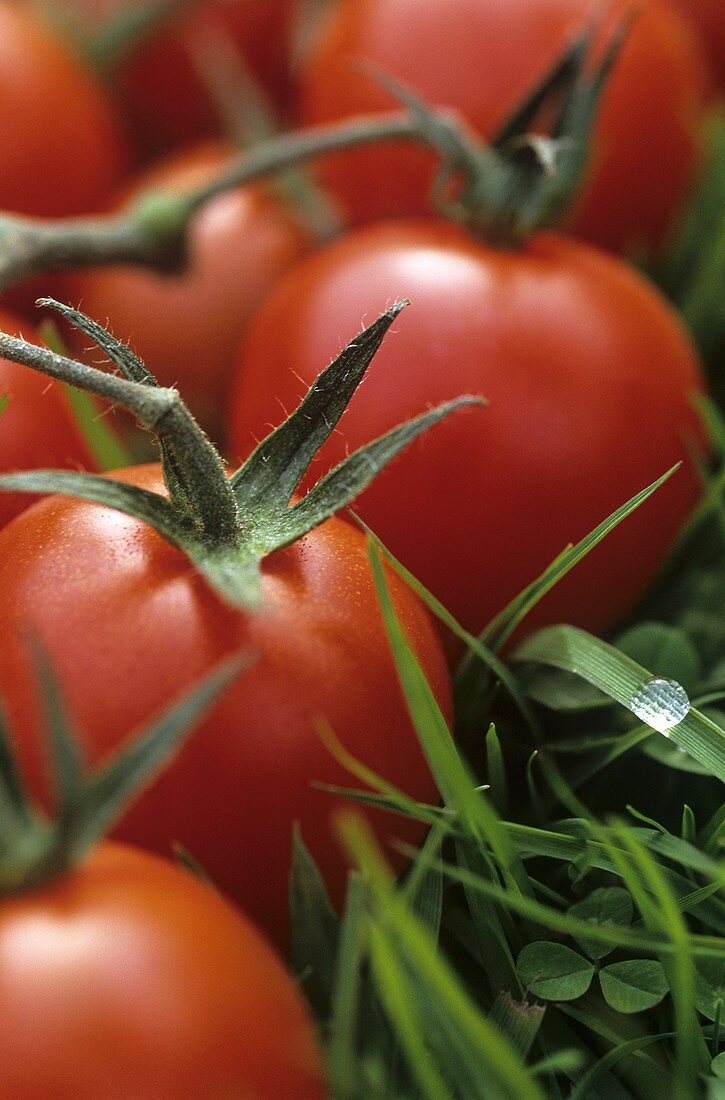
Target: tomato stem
[502,192]
[212,506]
[153,232]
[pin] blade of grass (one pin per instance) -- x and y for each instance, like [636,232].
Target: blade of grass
[496,1059]
[620,677]
[500,630]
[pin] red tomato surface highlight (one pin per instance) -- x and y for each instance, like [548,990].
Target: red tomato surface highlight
[62,147]
[188,327]
[37,428]
[128,625]
[481,57]
[589,377]
[128,977]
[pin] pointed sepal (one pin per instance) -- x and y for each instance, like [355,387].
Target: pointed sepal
[225,526]
[120,354]
[142,504]
[265,483]
[345,482]
[35,849]
[134,370]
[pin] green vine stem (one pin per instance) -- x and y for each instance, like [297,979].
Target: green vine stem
[153,231]
[502,191]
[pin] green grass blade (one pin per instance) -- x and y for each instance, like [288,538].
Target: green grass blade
[495,1059]
[608,669]
[503,626]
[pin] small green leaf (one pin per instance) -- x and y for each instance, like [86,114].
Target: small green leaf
[607,906]
[347,481]
[710,988]
[667,650]
[4,402]
[502,627]
[135,764]
[634,985]
[424,883]
[673,756]
[496,770]
[561,691]
[130,366]
[554,972]
[185,860]
[315,929]
[66,753]
[715,1088]
[718,1066]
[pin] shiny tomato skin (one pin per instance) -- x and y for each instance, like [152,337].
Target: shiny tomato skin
[129,624]
[589,378]
[480,57]
[63,148]
[37,428]
[187,327]
[708,16]
[128,977]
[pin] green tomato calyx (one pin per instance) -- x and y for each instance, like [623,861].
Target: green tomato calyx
[225,524]
[37,848]
[523,180]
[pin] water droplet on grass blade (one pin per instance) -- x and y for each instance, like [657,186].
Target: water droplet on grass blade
[661,704]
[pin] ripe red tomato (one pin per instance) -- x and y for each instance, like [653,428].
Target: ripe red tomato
[589,377]
[161,84]
[62,148]
[189,326]
[128,977]
[37,428]
[481,57]
[708,15]
[128,623]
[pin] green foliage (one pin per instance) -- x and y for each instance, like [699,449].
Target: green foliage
[610,906]
[561,934]
[533,957]
[692,272]
[554,972]
[710,988]
[633,985]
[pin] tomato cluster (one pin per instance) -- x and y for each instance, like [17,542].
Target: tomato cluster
[159,988]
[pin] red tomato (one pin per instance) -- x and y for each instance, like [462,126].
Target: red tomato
[709,16]
[128,977]
[62,149]
[160,82]
[189,326]
[480,57]
[589,377]
[128,623]
[37,428]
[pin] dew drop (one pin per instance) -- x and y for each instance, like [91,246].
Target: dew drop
[661,704]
